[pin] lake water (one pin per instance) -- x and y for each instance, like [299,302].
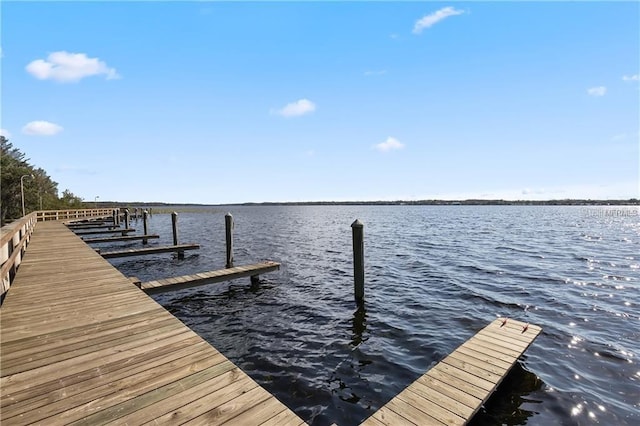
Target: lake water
[435,275]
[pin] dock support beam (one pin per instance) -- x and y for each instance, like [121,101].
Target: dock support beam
[358,261]
[228,225]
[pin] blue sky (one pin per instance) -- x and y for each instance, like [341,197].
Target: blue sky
[205,102]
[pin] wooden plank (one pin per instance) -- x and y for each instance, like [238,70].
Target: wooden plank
[455,389]
[124,238]
[105,231]
[188,281]
[81,344]
[388,417]
[191,410]
[284,418]
[165,400]
[149,250]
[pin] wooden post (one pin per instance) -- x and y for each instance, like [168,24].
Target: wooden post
[114,215]
[144,225]
[228,225]
[174,227]
[126,221]
[358,261]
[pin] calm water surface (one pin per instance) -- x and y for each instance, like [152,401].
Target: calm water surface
[435,275]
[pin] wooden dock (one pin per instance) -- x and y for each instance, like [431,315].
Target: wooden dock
[116,239]
[149,250]
[455,389]
[81,344]
[106,231]
[188,281]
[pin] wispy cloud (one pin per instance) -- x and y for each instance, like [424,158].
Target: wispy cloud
[371,73]
[597,91]
[295,109]
[5,133]
[435,17]
[41,128]
[619,137]
[635,77]
[68,67]
[391,144]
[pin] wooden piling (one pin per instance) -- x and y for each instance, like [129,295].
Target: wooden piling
[358,260]
[174,227]
[126,221]
[228,225]
[145,215]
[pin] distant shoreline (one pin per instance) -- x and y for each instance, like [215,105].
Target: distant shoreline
[469,202]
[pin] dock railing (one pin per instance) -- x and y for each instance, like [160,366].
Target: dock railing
[16,236]
[43,215]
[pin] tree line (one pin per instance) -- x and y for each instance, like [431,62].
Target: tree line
[40,191]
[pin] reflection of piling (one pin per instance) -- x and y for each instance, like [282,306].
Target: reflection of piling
[358,260]
[174,227]
[145,218]
[228,226]
[359,326]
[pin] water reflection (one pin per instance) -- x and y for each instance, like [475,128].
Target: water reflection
[512,403]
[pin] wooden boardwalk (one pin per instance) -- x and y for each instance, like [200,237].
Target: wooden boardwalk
[81,344]
[220,275]
[455,389]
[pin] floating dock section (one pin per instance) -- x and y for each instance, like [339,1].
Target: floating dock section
[455,389]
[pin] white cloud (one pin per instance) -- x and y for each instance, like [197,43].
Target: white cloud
[5,133]
[41,128]
[435,17]
[379,72]
[390,144]
[295,109]
[68,67]
[635,77]
[597,91]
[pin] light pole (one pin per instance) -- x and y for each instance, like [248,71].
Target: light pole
[22,190]
[95,200]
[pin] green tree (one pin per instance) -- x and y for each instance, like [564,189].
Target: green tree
[13,165]
[40,191]
[70,201]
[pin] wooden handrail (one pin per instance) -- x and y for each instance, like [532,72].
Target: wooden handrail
[13,244]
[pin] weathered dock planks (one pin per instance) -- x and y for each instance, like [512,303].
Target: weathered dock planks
[455,389]
[81,344]
[125,238]
[105,231]
[188,281]
[149,250]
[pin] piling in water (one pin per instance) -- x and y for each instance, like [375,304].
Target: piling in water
[358,261]
[228,225]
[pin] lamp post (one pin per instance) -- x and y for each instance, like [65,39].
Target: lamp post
[22,191]
[95,200]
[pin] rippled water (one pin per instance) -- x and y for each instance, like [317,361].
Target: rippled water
[435,275]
